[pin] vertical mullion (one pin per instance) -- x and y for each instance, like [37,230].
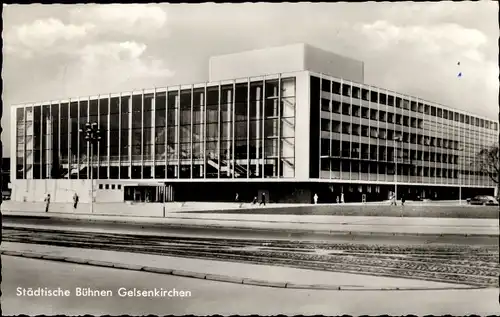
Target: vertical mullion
[41,142]
[89,144]
[142,135]
[178,130]
[278,145]
[248,127]
[119,136]
[24,141]
[233,159]
[129,149]
[98,157]
[219,132]
[69,138]
[78,141]
[319,126]
[108,143]
[204,127]
[263,107]
[166,132]
[191,132]
[153,134]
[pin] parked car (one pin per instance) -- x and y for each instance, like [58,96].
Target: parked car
[484,200]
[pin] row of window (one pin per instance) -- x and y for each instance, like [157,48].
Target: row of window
[174,99]
[283,168]
[387,134]
[337,165]
[336,148]
[347,90]
[110,186]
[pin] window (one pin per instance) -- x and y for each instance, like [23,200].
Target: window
[107,186]
[113,186]
[383,99]
[118,186]
[100,186]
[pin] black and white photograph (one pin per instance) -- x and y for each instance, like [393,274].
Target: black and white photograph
[250,158]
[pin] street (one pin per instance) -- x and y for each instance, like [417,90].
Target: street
[208,297]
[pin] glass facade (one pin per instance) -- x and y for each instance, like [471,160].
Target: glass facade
[369,134]
[238,129]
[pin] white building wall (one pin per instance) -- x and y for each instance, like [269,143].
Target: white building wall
[13,144]
[284,59]
[60,190]
[325,62]
[302,126]
[260,62]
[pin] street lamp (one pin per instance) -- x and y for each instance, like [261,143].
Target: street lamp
[396,139]
[92,137]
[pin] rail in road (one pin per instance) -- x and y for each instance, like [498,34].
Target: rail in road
[461,264]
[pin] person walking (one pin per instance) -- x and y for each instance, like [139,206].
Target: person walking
[394,200]
[75,201]
[403,199]
[338,199]
[47,203]
[315,199]
[237,198]
[263,201]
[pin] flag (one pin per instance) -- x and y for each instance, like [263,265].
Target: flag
[458,63]
[459,74]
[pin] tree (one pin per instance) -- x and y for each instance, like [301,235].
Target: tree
[488,161]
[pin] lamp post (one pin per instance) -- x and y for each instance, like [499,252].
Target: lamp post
[92,137]
[396,139]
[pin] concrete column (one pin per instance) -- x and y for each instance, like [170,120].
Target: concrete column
[177,133]
[130,136]
[229,102]
[258,142]
[153,134]
[202,132]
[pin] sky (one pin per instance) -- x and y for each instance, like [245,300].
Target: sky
[60,51]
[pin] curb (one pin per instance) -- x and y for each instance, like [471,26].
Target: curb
[263,230]
[222,278]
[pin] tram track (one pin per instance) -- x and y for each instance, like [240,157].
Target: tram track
[461,264]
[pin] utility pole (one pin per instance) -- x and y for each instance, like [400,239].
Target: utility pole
[92,137]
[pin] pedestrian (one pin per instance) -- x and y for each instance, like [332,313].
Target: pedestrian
[394,200]
[47,203]
[315,199]
[254,200]
[403,199]
[263,199]
[75,201]
[342,198]
[338,199]
[237,198]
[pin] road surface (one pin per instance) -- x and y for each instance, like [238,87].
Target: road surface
[475,265]
[208,297]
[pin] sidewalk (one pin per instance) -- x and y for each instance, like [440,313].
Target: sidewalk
[239,273]
[298,223]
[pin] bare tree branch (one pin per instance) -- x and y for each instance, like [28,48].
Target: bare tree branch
[488,162]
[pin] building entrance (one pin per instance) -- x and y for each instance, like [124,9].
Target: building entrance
[149,194]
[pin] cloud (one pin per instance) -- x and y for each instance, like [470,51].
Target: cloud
[431,39]
[118,66]
[42,35]
[130,19]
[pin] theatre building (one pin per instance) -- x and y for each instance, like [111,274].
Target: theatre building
[288,121]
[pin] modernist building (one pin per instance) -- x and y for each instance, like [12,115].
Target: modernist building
[289,121]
